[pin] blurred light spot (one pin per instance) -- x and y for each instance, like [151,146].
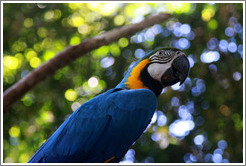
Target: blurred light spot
[71,95]
[19,46]
[114,49]
[187,157]
[41,6]
[190,36]
[185,28]
[127,53]
[207,13]
[188,81]
[180,128]
[49,15]
[193,158]
[222,144]
[47,55]
[119,20]
[199,121]
[225,110]
[154,118]
[175,101]
[149,35]
[180,7]
[217,158]
[30,54]
[199,139]
[35,62]
[24,158]
[219,151]
[165,32]
[76,20]
[162,120]
[101,51]
[225,161]
[190,106]
[175,86]
[213,24]
[129,157]
[27,100]
[184,113]
[240,50]
[149,160]
[123,42]
[11,62]
[13,141]
[8,160]
[184,43]
[75,106]
[156,29]
[208,157]
[210,56]
[205,105]
[191,61]
[223,45]
[164,141]
[137,19]
[212,43]
[236,76]
[229,31]
[199,88]
[14,131]
[74,40]
[139,53]
[28,22]
[200,84]
[93,82]
[42,32]
[232,47]
[177,32]
[108,9]
[156,137]
[47,116]
[212,68]
[31,129]
[84,29]
[238,28]
[138,38]
[107,62]
[232,21]
[24,73]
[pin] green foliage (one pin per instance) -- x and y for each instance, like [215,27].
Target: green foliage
[210,103]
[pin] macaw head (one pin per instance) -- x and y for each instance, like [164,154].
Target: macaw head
[156,70]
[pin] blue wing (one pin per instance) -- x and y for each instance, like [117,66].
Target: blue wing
[100,129]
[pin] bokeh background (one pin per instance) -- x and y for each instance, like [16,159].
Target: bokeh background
[200,121]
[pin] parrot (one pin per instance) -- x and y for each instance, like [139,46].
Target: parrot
[104,128]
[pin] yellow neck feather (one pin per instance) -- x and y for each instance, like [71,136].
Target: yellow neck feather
[134,81]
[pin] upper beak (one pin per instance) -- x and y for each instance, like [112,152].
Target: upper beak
[182,66]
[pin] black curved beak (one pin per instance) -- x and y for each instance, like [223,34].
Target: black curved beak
[177,72]
[182,67]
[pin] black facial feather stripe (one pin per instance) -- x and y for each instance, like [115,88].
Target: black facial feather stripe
[161,59]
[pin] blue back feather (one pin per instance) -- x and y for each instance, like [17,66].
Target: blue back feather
[102,128]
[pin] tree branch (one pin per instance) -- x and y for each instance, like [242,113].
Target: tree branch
[71,53]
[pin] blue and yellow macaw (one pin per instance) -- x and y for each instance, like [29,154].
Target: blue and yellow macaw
[103,129]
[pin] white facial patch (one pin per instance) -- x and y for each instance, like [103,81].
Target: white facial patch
[156,70]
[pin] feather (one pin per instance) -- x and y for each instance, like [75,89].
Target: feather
[102,128]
